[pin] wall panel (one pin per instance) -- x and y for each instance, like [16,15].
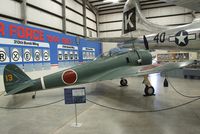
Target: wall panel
[74,28]
[91,24]
[74,5]
[111,34]
[10,8]
[74,16]
[47,5]
[90,15]
[107,46]
[43,18]
[109,17]
[91,33]
[111,26]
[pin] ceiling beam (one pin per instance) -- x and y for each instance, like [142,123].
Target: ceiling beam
[91,6]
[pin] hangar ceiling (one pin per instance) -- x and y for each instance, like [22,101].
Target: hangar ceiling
[110,7]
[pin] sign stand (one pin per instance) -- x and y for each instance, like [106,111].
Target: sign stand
[76,124]
[75,96]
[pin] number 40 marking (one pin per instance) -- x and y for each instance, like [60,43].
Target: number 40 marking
[160,37]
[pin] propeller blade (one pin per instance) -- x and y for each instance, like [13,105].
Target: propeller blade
[146,44]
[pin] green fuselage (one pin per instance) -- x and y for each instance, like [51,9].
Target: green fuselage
[92,69]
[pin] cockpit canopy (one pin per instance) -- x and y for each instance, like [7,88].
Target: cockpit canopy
[111,53]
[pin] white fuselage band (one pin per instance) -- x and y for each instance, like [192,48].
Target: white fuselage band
[42,82]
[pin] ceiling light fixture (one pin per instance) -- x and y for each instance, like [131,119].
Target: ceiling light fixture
[113,1]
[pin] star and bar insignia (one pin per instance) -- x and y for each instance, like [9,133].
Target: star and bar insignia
[182,38]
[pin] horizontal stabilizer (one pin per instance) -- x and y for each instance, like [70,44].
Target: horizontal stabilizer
[20,87]
[190,4]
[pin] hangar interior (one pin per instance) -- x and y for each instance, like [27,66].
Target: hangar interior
[110,108]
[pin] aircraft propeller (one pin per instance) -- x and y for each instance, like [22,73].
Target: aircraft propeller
[146,44]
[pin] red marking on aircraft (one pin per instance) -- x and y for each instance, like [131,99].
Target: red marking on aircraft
[149,67]
[69,77]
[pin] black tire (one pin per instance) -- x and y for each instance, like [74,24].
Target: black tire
[149,91]
[123,82]
[165,83]
[33,96]
[185,76]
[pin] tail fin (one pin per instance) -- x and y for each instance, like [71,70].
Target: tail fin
[138,25]
[15,80]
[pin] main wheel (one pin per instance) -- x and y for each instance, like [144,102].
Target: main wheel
[33,96]
[149,91]
[123,82]
[165,83]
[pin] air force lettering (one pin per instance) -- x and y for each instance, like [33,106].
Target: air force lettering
[129,20]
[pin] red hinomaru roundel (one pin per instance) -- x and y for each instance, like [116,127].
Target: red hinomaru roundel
[69,77]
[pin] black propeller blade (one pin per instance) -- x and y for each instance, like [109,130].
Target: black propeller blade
[146,44]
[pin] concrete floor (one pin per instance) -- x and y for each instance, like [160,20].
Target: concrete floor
[57,118]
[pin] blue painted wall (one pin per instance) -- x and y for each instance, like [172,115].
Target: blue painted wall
[34,48]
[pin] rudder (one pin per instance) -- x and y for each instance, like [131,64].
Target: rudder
[137,26]
[14,78]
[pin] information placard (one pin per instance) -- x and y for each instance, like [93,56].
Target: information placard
[75,95]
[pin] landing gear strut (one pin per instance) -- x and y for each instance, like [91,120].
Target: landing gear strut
[149,90]
[33,96]
[165,83]
[123,82]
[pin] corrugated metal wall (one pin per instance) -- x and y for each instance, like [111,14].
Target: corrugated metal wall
[48,14]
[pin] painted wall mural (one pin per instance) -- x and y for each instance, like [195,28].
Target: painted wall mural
[33,48]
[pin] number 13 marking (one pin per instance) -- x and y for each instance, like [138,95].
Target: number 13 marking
[9,77]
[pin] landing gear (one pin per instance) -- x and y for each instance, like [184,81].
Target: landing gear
[165,83]
[123,82]
[33,96]
[149,90]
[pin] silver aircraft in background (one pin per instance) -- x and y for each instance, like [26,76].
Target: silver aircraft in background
[139,32]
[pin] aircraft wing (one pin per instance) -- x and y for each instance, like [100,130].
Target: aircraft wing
[133,71]
[191,4]
[113,39]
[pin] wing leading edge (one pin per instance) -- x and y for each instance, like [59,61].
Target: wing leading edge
[133,71]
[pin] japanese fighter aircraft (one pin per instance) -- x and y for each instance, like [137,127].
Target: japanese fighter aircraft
[137,31]
[114,65]
[105,67]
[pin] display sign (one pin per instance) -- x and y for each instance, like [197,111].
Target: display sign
[31,47]
[20,44]
[67,55]
[75,95]
[88,53]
